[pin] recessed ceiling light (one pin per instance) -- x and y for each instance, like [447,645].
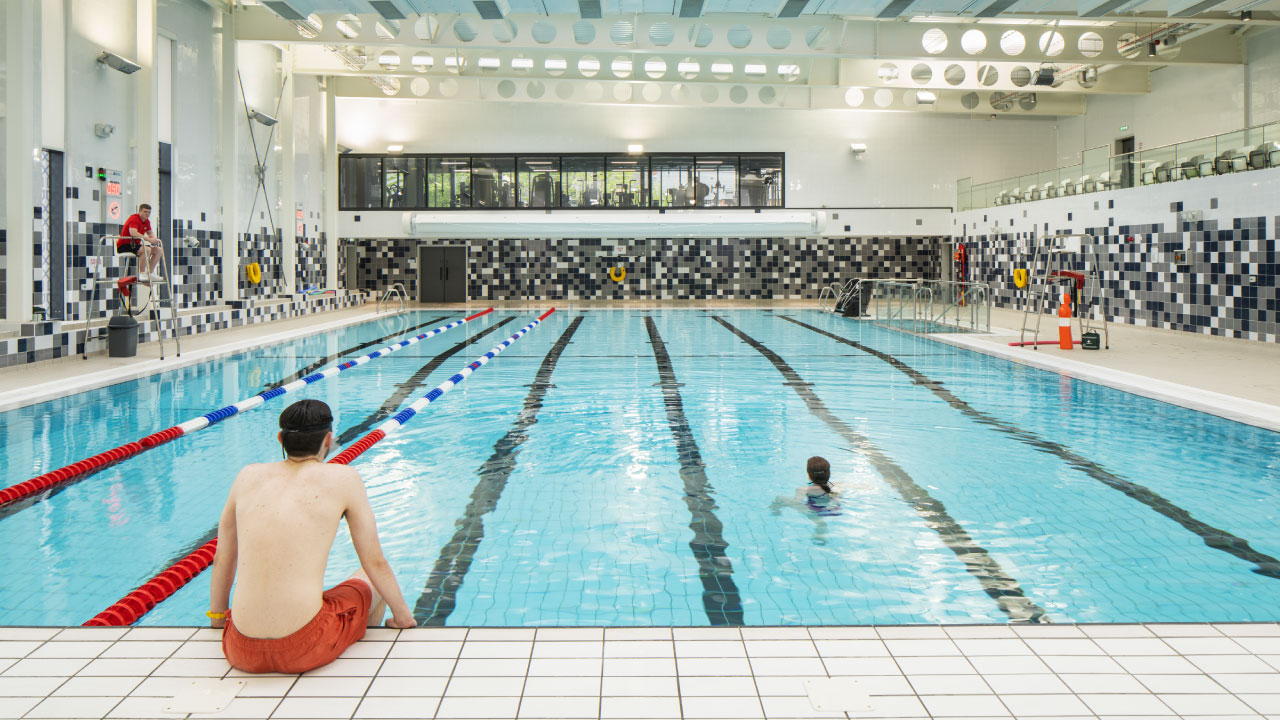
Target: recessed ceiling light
[635,149]
[395,148]
[522,63]
[490,63]
[754,69]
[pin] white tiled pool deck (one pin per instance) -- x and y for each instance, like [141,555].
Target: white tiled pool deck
[968,671]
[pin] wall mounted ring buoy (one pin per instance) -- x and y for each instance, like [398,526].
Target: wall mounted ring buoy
[1020,277]
[253,272]
[617,274]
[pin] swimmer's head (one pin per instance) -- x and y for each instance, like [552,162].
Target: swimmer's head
[819,472]
[305,426]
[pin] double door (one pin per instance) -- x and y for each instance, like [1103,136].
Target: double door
[442,274]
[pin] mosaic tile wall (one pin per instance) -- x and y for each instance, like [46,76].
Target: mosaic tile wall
[265,249]
[49,340]
[197,271]
[92,247]
[311,266]
[4,273]
[657,269]
[1190,276]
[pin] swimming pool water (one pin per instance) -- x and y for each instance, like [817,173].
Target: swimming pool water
[630,467]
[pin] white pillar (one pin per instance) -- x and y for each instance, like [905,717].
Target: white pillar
[232,118]
[330,212]
[21,156]
[146,138]
[288,176]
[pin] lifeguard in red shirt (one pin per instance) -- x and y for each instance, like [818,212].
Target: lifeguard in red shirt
[137,237]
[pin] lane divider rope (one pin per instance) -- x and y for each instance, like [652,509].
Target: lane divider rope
[128,609]
[55,477]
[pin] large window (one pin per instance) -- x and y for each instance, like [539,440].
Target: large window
[449,182]
[412,182]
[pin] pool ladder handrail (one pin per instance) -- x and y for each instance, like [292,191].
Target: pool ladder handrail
[974,295]
[396,290]
[914,288]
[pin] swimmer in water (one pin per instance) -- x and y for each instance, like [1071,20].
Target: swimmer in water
[818,500]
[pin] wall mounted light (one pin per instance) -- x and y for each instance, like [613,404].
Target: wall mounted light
[857,148]
[262,118]
[115,62]
[926,97]
[1246,15]
[343,149]
[395,148]
[103,130]
[635,149]
[1151,49]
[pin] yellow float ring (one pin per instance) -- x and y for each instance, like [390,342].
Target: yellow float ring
[619,275]
[1020,277]
[253,272]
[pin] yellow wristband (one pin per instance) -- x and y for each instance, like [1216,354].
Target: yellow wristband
[215,616]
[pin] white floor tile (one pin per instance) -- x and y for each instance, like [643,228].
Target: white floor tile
[365,649]
[136,667]
[249,708]
[984,706]
[809,667]
[1204,704]
[167,687]
[1260,645]
[27,633]
[716,633]
[643,686]
[69,708]
[851,648]
[98,686]
[491,667]
[979,631]
[721,707]
[1183,630]
[793,707]
[561,634]
[560,707]
[935,666]
[638,649]
[1229,664]
[717,687]
[639,666]
[568,649]
[1103,683]
[500,634]
[1249,682]
[381,634]
[497,650]
[432,634]
[1207,646]
[949,685]
[1264,703]
[877,685]
[558,667]
[344,667]
[30,686]
[427,649]
[416,667]
[315,708]
[1048,631]
[710,649]
[909,632]
[844,633]
[1125,704]
[998,647]
[47,667]
[307,686]
[1135,646]
[1009,665]
[407,686]
[1027,684]
[1116,631]
[193,649]
[1240,630]
[922,648]
[780,648]
[70,649]
[397,707]
[896,707]
[1063,646]
[640,707]
[637,633]
[775,633]
[173,667]
[484,687]
[1086,663]
[140,708]
[860,666]
[1028,706]
[1182,684]
[98,634]
[713,667]
[477,707]
[568,686]
[776,686]
[16,707]
[1159,665]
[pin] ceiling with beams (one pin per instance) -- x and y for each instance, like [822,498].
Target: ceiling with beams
[1029,57]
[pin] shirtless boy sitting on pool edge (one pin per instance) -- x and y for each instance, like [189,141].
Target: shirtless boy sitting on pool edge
[274,537]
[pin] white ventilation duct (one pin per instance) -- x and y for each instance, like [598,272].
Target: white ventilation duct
[616,224]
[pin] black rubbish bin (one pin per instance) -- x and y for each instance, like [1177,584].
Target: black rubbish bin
[122,336]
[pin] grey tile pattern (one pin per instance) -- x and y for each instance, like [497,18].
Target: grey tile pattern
[657,268]
[4,272]
[311,264]
[197,271]
[263,248]
[1195,277]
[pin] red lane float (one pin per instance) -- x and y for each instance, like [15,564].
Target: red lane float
[43,482]
[128,609]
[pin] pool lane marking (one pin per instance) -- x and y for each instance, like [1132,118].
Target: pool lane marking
[355,348]
[1213,537]
[406,388]
[720,597]
[128,609]
[76,471]
[440,592]
[995,582]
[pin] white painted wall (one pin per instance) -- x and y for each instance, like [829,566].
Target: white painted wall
[260,73]
[912,159]
[308,121]
[1263,75]
[195,99]
[4,74]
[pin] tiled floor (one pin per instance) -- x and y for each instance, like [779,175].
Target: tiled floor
[983,671]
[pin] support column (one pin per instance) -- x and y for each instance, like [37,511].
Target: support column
[231,119]
[21,156]
[288,176]
[146,138]
[330,212]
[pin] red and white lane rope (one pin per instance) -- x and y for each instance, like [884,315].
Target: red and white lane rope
[43,482]
[156,590]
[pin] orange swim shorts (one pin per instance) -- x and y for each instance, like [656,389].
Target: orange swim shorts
[344,612]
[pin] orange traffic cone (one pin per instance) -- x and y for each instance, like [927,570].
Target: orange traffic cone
[1064,322]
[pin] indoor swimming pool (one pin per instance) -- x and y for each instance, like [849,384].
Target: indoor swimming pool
[640,467]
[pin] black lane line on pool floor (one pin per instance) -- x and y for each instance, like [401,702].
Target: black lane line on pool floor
[330,358]
[440,594]
[720,596]
[996,583]
[1213,537]
[406,388]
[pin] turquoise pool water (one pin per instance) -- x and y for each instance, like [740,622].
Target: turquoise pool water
[628,467]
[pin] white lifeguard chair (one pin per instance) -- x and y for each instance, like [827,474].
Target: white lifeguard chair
[1050,269]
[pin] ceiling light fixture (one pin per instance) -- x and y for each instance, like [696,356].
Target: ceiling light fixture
[926,97]
[1246,15]
[635,149]
[857,148]
[1151,49]
[395,148]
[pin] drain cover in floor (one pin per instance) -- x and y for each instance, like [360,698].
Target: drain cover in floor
[207,695]
[838,695]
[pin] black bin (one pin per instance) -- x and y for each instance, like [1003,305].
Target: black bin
[122,336]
